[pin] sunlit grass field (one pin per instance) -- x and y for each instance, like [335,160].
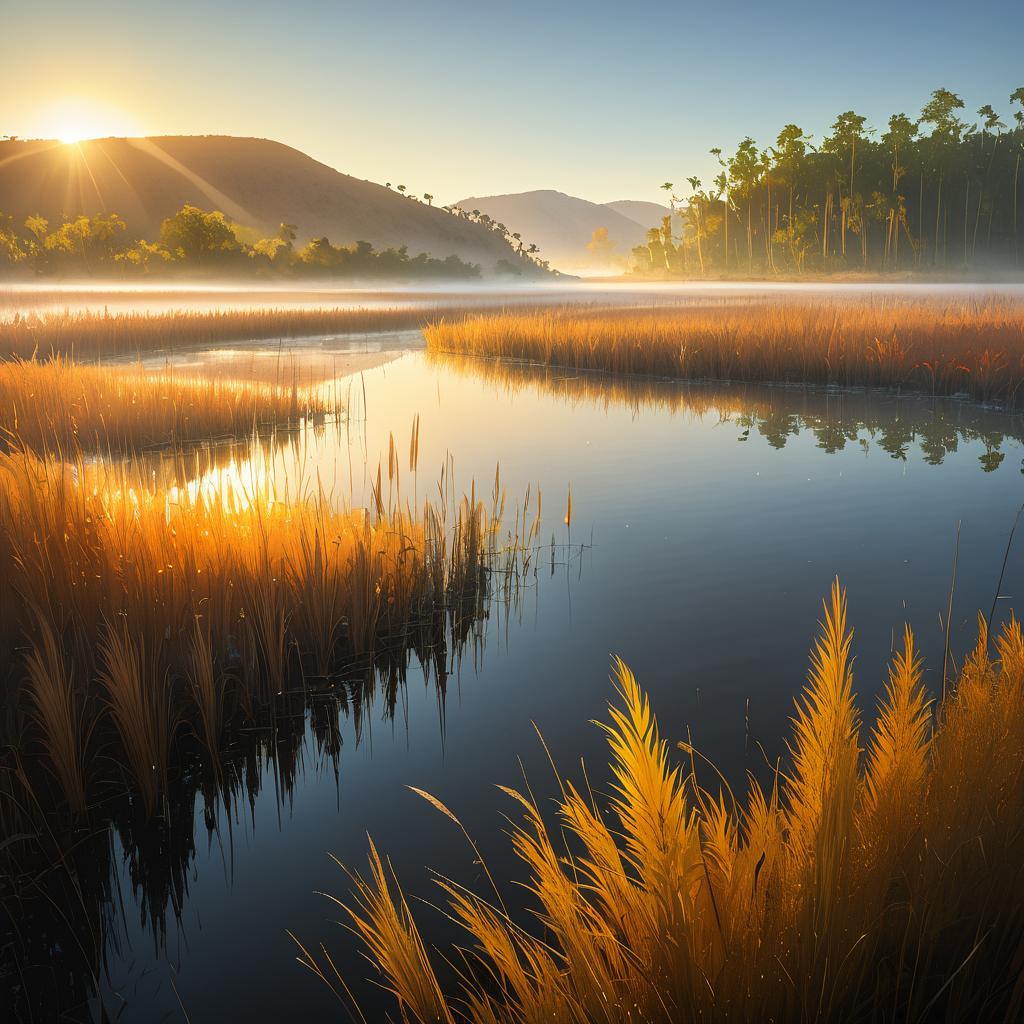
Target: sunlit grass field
[153,609]
[105,335]
[58,402]
[875,877]
[974,347]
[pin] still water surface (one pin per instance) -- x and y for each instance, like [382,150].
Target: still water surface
[708,522]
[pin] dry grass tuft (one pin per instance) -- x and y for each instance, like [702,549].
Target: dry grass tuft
[59,403]
[886,887]
[172,598]
[58,710]
[138,689]
[87,334]
[938,347]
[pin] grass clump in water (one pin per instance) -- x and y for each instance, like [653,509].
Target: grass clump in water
[86,334]
[877,883]
[973,346]
[181,607]
[58,403]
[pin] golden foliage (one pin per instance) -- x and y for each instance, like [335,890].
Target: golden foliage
[170,596]
[59,403]
[88,334]
[855,889]
[940,347]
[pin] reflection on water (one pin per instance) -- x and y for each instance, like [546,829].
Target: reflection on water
[72,889]
[894,424]
[713,518]
[326,361]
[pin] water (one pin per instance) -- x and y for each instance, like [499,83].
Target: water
[708,523]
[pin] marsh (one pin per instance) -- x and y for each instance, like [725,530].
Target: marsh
[707,522]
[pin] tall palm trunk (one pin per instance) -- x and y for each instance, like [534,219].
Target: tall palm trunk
[826,217]
[843,209]
[1016,172]
[920,216]
[727,232]
[750,234]
[967,200]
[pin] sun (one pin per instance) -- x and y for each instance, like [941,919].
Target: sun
[71,135]
[74,121]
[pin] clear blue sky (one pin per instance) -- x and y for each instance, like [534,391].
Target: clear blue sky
[603,100]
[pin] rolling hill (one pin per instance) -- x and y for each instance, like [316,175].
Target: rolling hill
[562,225]
[647,214]
[256,182]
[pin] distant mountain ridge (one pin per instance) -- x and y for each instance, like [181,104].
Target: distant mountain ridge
[645,213]
[562,225]
[256,182]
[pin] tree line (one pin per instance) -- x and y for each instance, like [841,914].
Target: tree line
[198,240]
[936,192]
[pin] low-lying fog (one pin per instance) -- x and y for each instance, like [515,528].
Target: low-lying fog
[160,297]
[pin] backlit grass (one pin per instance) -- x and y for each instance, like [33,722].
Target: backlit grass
[89,334]
[145,613]
[86,334]
[875,877]
[975,347]
[71,405]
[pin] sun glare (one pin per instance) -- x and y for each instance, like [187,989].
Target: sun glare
[73,122]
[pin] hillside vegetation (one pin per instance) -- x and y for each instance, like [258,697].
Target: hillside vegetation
[256,183]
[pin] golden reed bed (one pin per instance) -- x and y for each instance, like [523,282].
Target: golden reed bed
[142,612]
[74,405]
[874,883]
[974,347]
[90,335]
[86,334]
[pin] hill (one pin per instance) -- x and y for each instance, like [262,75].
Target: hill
[256,182]
[562,225]
[647,214]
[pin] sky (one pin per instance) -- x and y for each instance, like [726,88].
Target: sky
[601,100]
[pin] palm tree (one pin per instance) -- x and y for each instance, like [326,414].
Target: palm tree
[847,133]
[947,129]
[855,183]
[1017,96]
[695,211]
[766,177]
[722,184]
[898,140]
[744,170]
